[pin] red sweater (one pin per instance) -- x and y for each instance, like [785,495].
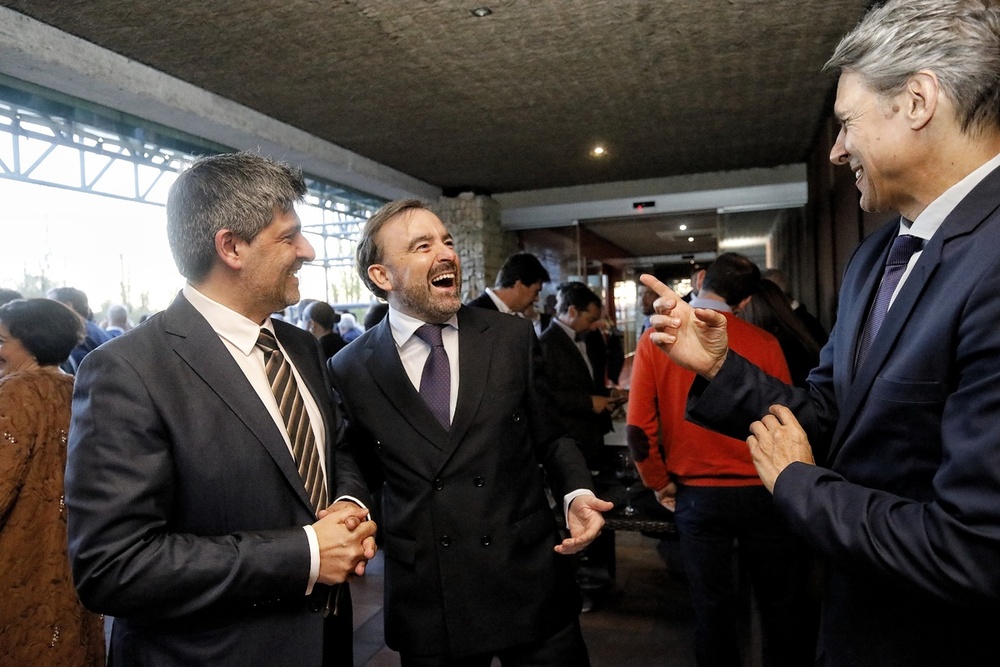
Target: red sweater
[663,443]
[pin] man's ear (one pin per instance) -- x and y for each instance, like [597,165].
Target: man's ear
[699,278]
[379,275]
[742,304]
[921,98]
[227,248]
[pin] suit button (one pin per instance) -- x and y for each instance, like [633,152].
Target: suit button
[445,541]
[316,603]
[516,418]
[438,484]
[485,540]
[378,446]
[479,481]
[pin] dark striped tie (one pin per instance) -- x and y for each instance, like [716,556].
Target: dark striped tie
[293,412]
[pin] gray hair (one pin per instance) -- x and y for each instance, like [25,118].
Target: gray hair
[240,192]
[958,40]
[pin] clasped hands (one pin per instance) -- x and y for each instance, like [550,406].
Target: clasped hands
[346,541]
[696,339]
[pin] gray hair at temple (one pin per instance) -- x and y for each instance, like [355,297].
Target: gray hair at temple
[236,191]
[958,40]
[368,251]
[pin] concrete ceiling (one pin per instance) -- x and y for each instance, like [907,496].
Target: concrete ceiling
[509,102]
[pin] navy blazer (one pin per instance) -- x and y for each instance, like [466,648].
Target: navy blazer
[905,503]
[468,531]
[185,509]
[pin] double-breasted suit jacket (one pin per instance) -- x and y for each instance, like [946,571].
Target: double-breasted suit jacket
[185,507]
[468,532]
[906,504]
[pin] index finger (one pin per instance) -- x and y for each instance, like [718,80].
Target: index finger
[784,415]
[653,283]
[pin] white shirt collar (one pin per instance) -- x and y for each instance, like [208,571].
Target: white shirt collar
[931,218]
[498,302]
[403,326]
[241,332]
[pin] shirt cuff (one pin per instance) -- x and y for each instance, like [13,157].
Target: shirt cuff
[313,558]
[356,502]
[570,497]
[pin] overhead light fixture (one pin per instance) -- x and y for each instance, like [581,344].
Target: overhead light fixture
[598,151]
[690,239]
[480,12]
[683,227]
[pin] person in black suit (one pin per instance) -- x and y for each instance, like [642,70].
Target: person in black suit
[196,517]
[518,283]
[887,464]
[474,563]
[320,319]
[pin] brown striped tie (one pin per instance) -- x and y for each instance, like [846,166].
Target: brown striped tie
[293,412]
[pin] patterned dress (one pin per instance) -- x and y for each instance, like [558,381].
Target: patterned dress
[42,621]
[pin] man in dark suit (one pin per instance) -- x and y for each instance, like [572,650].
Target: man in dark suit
[474,564]
[576,378]
[320,319]
[518,283]
[902,415]
[192,492]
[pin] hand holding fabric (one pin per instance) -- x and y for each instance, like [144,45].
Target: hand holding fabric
[776,441]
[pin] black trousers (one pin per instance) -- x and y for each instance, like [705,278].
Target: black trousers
[565,648]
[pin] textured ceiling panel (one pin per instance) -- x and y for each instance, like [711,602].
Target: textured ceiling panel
[512,101]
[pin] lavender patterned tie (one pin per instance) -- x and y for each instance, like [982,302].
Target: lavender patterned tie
[435,381]
[899,256]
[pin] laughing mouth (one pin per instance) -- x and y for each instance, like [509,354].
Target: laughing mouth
[444,280]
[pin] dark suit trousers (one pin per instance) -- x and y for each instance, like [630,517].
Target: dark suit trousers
[563,649]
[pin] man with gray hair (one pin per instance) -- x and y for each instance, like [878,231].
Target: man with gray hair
[888,462]
[208,485]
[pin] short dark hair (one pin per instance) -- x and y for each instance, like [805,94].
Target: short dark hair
[732,276]
[8,295]
[521,266]
[321,313]
[46,328]
[368,251]
[236,191]
[75,298]
[575,294]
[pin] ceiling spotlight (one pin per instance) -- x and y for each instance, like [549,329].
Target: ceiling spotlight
[690,239]
[598,151]
[480,12]
[683,227]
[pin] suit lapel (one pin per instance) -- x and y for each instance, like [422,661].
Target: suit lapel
[202,350]
[475,349]
[388,374]
[967,215]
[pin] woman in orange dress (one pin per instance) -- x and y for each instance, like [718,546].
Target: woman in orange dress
[42,621]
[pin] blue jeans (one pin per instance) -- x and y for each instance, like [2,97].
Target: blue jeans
[717,525]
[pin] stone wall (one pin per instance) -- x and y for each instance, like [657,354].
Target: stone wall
[481,242]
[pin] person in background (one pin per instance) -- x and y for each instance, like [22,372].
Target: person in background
[319,319]
[117,321]
[723,513]
[888,464]
[812,325]
[8,295]
[42,621]
[375,314]
[769,309]
[76,300]
[214,509]
[518,283]
[348,327]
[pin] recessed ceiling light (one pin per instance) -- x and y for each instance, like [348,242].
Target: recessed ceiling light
[683,227]
[480,12]
[598,151]
[690,239]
